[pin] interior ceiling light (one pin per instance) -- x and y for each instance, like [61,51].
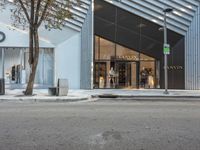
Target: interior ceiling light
[98,7]
[141,25]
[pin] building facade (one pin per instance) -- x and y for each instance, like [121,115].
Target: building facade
[111,44]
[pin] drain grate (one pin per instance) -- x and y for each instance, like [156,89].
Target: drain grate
[108,96]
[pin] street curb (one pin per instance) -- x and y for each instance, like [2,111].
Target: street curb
[152,98]
[111,97]
[56,99]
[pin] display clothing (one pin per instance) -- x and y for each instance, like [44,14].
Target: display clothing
[112,77]
[101,82]
[150,81]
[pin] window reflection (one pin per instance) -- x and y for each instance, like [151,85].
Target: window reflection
[145,57]
[96,47]
[126,53]
[107,49]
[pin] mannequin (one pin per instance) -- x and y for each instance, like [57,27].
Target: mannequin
[112,76]
[150,80]
[112,72]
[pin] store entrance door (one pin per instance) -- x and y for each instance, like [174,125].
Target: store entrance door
[127,74]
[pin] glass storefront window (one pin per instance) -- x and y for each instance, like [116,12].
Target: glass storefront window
[121,67]
[17,69]
[124,53]
[48,66]
[12,65]
[45,68]
[107,49]
[100,74]
[145,57]
[96,47]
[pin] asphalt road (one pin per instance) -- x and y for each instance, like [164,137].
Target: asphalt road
[102,125]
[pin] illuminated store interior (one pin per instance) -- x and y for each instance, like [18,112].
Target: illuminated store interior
[16,68]
[119,67]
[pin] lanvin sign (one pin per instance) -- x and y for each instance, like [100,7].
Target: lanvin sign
[175,67]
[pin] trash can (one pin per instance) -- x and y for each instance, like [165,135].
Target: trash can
[63,87]
[2,86]
[53,91]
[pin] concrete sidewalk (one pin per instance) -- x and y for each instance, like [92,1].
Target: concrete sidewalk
[41,95]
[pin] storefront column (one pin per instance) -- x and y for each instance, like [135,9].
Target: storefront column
[2,61]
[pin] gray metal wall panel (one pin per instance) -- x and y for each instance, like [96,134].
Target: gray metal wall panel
[87,35]
[192,54]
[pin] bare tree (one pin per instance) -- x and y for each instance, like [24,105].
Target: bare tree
[32,14]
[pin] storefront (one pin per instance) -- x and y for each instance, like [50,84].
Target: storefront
[119,67]
[128,51]
[15,69]
[116,46]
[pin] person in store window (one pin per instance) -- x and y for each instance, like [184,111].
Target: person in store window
[144,77]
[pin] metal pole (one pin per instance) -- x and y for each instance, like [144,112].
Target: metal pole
[165,55]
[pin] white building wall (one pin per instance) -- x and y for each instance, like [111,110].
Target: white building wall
[16,37]
[19,38]
[67,61]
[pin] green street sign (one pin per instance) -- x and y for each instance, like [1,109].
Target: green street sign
[166,49]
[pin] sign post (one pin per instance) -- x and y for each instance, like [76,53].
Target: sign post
[166,49]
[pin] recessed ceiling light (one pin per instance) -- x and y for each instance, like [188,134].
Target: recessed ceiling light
[141,25]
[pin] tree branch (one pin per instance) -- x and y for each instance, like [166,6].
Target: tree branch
[37,11]
[32,13]
[25,10]
[44,12]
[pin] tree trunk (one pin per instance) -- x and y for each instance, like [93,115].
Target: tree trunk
[31,46]
[29,88]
